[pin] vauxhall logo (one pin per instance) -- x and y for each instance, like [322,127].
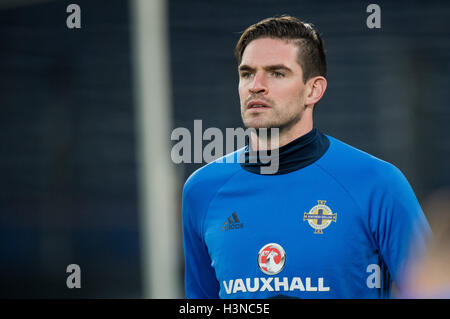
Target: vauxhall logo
[232,222]
[271,260]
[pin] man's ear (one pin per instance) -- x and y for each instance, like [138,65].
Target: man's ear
[316,87]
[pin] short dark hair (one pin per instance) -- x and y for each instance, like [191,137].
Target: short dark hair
[311,55]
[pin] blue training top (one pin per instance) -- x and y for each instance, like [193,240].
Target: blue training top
[339,224]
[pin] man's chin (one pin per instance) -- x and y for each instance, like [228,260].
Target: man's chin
[259,125]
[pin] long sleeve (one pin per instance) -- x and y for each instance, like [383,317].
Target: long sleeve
[200,278]
[398,224]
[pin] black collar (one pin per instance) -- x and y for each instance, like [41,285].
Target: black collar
[295,155]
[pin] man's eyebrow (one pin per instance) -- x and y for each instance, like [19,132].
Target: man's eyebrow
[277,67]
[274,67]
[245,67]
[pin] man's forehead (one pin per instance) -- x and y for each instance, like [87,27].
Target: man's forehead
[268,51]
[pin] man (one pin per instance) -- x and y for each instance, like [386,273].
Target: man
[429,277]
[330,222]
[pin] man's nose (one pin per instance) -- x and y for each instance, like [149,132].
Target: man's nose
[259,84]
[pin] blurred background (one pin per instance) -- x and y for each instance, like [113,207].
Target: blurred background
[87,115]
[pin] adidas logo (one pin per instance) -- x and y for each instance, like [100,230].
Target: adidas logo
[232,222]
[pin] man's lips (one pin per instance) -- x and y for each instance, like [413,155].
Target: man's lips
[257,104]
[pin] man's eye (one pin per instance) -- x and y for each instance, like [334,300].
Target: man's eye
[245,75]
[278,74]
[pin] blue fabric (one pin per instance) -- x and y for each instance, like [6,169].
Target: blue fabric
[371,214]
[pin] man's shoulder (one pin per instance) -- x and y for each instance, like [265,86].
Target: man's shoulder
[348,161]
[210,177]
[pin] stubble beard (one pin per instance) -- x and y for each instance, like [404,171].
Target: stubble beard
[282,123]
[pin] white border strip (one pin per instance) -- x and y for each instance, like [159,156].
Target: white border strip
[156,172]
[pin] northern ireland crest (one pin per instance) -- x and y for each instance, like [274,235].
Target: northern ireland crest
[320,217]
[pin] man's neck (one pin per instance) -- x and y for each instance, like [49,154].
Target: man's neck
[272,139]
